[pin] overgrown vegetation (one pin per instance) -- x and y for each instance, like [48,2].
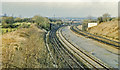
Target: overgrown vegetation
[42,22]
[11,22]
[24,48]
[106,29]
[23,42]
[104,18]
[107,26]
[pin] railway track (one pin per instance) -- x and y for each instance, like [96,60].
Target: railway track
[70,60]
[97,38]
[89,61]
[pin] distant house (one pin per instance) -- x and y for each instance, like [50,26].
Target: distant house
[92,24]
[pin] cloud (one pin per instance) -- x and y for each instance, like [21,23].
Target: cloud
[61,9]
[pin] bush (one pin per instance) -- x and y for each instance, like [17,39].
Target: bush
[24,26]
[42,22]
[9,26]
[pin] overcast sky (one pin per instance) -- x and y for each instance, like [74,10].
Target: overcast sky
[60,0]
[60,9]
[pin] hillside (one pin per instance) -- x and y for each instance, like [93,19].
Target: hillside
[24,48]
[106,29]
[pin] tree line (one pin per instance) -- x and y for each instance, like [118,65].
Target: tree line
[104,18]
[8,22]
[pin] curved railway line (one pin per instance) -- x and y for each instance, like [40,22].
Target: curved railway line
[90,61]
[115,44]
[67,51]
[69,59]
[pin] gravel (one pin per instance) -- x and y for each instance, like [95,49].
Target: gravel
[93,47]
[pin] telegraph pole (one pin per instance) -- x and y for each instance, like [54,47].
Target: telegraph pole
[54,14]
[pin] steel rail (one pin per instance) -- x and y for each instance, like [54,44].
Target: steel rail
[97,38]
[57,45]
[86,55]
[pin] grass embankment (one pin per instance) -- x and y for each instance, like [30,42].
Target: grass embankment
[24,48]
[106,29]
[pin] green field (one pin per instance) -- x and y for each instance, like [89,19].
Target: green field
[20,25]
[5,30]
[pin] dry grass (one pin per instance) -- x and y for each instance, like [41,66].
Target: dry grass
[24,48]
[106,29]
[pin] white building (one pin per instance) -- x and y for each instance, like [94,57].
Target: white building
[92,24]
